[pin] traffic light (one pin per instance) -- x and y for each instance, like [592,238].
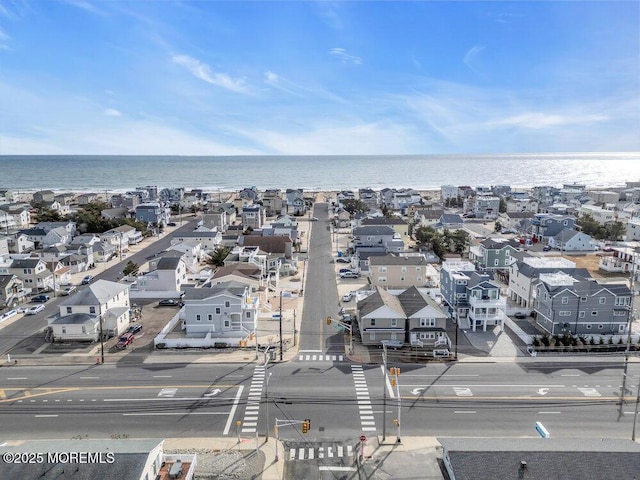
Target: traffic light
[329,320]
[306,425]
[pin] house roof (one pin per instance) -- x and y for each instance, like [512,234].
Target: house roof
[236,289]
[169,262]
[95,294]
[6,279]
[76,319]
[242,269]
[500,243]
[412,301]
[267,244]
[374,230]
[391,259]
[546,458]
[25,262]
[451,218]
[129,459]
[383,221]
[34,232]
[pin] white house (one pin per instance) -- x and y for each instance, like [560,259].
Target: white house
[191,251]
[571,240]
[170,274]
[103,305]
[226,311]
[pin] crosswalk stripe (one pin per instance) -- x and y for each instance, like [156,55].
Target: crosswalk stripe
[368,429]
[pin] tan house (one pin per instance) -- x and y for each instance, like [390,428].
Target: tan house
[406,318]
[392,271]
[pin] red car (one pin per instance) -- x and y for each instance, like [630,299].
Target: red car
[125,340]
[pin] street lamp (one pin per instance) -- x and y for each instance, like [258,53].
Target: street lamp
[101,341]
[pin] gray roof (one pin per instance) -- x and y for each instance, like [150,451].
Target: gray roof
[95,294]
[76,319]
[500,243]
[25,263]
[412,301]
[374,230]
[391,259]
[546,458]
[451,218]
[129,459]
[383,221]
[236,289]
[170,262]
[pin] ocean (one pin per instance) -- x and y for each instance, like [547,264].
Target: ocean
[319,173]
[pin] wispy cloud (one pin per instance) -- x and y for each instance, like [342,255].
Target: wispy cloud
[203,71]
[112,112]
[3,40]
[342,55]
[85,5]
[540,120]
[470,57]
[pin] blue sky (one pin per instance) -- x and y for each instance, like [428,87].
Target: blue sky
[303,77]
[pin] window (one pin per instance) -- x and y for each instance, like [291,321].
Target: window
[427,322]
[394,336]
[602,300]
[588,326]
[92,309]
[247,314]
[621,301]
[394,322]
[64,329]
[372,335]
[403,270]
[69,309]
[382,269]
[427,336]
[496,262]
[600,327]
[594,313]
[402,279]
[382,279]
[218,310]
[373,322]
[565,300]
[197,317]
[583,299]
[227,324]
[227,304]
[564,313]
[581,314]
[619,313]
[210,317]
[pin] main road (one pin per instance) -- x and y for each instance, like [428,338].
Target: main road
[185,400]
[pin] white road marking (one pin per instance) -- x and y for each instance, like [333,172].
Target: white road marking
[590,392]
[45,416]
[16,378]
[148,414]
[89,378]
[160,376]
[232,412]
[168,392]
[463,392]
[325,468]
[464,411]
[151,399]
[542,413]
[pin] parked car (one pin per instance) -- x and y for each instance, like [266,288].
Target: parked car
[171,224]
[170,302]
[520,315]
[41,298]
[135,328]
[349,275]
[343,260]
[347,297]
[68,290]
[345,270]
[314,219]
[87,280]
[346,318]
[33,310]
[546,248]
[125,340]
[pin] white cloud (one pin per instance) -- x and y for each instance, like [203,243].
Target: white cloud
[342,55]
[470,57]
[112,112]
[271,78]
[538,120]
[202,71]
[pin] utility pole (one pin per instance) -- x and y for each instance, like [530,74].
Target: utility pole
[280,315]
[384,392]
[294,327]
[101,342]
